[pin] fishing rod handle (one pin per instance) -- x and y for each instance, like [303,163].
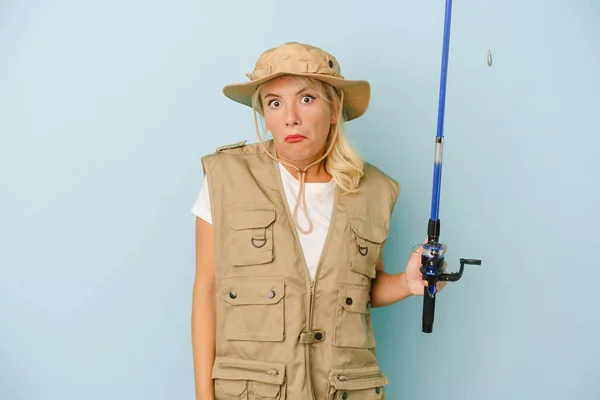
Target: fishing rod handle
[431,269]
[428,310]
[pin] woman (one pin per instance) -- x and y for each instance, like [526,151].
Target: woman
[289,239]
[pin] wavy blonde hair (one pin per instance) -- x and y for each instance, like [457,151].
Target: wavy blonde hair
[343,163]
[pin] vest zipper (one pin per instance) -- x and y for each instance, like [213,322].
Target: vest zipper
[312,294]
[272,372]
[307,348]
[364,375]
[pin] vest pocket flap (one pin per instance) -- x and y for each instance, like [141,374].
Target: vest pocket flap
[357,378]
[248,290]
[239,369]
[355,298]
[265,390]
[251,218]
[231,387]
[371,230]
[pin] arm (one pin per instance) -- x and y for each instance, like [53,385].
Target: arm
[203,311]
[387,288]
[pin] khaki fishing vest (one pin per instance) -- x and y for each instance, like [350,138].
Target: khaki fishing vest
[279,335]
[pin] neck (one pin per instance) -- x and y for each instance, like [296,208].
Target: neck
[315,174]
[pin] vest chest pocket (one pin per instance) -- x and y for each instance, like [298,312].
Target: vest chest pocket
[241,379]
[254,308]
[367,383]
[250,235]
[353,327]
[367,237]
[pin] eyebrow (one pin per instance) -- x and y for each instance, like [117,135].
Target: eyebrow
[304,89]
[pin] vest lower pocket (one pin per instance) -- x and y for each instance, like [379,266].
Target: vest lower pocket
[254,308]
[366,383]
[353,327]
[367,237]
[241,379]
[250,235]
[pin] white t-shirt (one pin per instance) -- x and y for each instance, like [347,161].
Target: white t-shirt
[319,201]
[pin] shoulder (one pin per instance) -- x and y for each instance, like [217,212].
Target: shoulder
[241,148]
[381,190]
[231,147]
[244,148]
[374,176]
[236,153]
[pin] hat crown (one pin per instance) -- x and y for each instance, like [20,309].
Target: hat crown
[294,57]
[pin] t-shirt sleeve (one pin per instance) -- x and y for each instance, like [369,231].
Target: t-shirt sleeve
[201,207]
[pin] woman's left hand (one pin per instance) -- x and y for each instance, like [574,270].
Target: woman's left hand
[414,278]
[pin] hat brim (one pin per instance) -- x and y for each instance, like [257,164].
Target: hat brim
[357,93]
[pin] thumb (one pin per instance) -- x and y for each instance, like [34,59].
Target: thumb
[414,256]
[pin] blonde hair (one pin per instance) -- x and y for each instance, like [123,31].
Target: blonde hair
[343,163]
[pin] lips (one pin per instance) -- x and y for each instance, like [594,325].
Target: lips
[294,138]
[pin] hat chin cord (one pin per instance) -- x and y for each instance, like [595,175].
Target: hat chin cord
[302,172]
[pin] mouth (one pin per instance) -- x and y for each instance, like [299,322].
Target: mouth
[294,138]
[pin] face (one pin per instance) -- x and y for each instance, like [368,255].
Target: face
[297,118]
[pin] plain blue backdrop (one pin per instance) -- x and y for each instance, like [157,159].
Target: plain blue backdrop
[106,108]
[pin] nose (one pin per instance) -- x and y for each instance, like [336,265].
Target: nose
[291,117]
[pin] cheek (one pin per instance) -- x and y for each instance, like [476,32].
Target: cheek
[269,121]
[324,125]
[273,123]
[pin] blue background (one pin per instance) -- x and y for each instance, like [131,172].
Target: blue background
[106,108]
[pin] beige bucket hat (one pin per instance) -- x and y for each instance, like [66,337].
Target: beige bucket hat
[293,58]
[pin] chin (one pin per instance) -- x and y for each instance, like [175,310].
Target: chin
[297,153]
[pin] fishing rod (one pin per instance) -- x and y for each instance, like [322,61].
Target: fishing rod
[433,252]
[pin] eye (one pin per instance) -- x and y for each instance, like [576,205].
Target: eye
[307,99]
[274,103]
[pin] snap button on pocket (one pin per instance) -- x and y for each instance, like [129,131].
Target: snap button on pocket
[253,308]
[353,327]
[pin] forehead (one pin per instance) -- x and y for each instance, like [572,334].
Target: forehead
[284,85]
